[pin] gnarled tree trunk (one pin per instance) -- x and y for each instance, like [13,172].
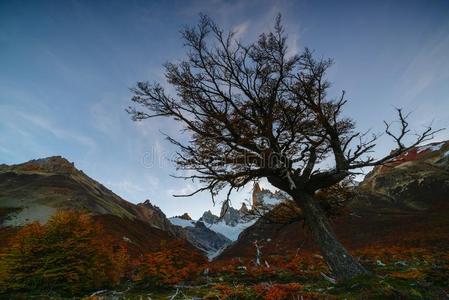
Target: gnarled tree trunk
[342,264]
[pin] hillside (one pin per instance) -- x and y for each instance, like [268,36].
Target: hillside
[404,203]
[409,190]
[397,224]
[35,190]
[32,191]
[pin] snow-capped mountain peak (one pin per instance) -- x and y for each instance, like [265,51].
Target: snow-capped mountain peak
[231,222]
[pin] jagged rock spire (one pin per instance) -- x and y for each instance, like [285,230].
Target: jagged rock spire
[185,216]
[255,198]
[243,209]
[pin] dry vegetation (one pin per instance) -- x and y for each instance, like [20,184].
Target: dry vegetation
[71,256]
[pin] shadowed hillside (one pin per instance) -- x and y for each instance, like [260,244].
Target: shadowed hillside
[404,203]
[36,190]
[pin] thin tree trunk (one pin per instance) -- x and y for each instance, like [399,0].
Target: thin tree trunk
[342,264]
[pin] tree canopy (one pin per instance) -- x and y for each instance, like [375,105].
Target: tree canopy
[255,111]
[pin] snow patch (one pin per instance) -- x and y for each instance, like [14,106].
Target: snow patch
[181,222]
[270,199]
[430,147]
[231,232]
[211,254]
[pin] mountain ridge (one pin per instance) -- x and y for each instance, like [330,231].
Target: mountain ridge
[35,190]
[52,183]
[412,189]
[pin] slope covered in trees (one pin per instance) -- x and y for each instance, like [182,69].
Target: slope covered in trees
[69,254]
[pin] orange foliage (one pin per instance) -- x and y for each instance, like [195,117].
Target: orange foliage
[69,254]
[30,167]
[172,264]
[229,292]
[278,291]
[394,254]
[305,264]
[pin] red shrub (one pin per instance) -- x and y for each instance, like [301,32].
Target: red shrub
[173,263]
[277,291]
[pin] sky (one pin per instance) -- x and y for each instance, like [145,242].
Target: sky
[66,68]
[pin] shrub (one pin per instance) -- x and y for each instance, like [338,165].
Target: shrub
[278,291]
[173,263]
[70,254]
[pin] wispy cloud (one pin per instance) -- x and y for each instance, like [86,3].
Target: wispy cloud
[240,30]
[234,14]
[6,151]
[128,187]
[185,190]
[106,118]
[426,68]
[58,131]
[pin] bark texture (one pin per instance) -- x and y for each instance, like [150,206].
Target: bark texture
[342,264]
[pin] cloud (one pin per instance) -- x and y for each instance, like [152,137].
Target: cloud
[234,14]
[429,66]
[6,151]
[185,190]
[106,118]
[58,131]
[152,181]
[240,30]
[129,187]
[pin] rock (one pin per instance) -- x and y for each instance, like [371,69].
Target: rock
[205,239]
[380,263]
[413,179]
[152,214]
[243,210]
[229,215]
[184,216]
[209,217]
[256,192]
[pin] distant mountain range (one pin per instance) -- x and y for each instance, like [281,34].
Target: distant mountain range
[35,190]
[413,189]
[231,222]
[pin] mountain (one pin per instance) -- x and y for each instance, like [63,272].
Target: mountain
[200,235]
[213,234]
[410,180]
[35,190]
[403,203]
[263,199]
[153,215]
[230,222]
[411,189]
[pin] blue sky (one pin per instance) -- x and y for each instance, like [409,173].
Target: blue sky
[66,68]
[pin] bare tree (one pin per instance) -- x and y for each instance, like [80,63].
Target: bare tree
[253,111]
